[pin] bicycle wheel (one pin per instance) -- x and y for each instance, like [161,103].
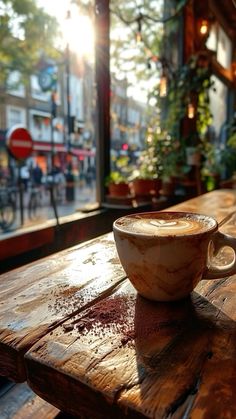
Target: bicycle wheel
[7,215]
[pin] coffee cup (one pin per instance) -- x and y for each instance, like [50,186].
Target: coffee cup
[166,254]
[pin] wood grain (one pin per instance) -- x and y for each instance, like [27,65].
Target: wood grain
[127,355]
[34,299]
[218,204]
[21,403]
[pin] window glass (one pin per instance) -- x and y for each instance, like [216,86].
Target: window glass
[39,123]
[211,42]
[36,91]
[47,83]
[15,116]
[14,84]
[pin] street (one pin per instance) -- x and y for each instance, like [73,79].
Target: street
[82,196]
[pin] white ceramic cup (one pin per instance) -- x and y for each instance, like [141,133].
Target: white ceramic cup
[166,254]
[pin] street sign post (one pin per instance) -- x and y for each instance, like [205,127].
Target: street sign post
[19,142]
[20,145]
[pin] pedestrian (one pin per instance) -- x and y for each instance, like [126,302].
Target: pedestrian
[37,175]
[89,176]
[25,176]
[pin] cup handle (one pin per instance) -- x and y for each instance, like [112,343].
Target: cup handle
[220,240]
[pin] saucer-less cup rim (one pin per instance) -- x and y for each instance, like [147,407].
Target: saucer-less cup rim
[158,214]
[217,239]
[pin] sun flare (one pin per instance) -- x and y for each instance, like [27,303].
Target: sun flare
[78,32]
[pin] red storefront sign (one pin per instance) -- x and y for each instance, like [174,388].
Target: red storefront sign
[19,142]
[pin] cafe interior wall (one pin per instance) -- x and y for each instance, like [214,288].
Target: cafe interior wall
[199,19]
[201,124]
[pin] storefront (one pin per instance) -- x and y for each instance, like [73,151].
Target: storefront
[43,152]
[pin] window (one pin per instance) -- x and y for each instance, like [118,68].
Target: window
[36,90]
[224,49]
[39,123]
[15,116]
[14,85]
[218,100]
[219,42]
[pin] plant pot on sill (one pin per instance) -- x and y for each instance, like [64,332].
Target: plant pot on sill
[121,189]
[146,188]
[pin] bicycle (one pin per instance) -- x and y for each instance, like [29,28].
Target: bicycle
[7,208]
[34,202]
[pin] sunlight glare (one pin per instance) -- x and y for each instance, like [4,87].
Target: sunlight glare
[78,32]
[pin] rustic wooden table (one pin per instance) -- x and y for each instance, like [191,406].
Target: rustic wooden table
[74,327]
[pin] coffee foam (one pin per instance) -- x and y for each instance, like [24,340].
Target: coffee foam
[169,226]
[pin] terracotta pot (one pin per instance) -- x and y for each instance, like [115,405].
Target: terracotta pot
[119,189]
[146,187]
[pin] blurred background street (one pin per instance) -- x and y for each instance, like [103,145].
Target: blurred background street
[79,198]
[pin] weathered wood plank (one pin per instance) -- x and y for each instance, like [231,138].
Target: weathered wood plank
[217,203]
[37,297]
[21,403]
[127,354]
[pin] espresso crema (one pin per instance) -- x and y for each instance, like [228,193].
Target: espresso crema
[165,227]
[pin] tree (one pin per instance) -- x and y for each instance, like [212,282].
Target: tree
[26,33]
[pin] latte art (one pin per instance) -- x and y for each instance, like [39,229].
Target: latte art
[164,226]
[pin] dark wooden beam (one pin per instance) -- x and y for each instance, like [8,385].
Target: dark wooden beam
[102,53]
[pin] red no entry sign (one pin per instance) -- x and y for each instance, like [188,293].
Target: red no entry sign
[19,142]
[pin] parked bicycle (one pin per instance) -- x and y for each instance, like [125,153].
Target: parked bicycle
[7,207]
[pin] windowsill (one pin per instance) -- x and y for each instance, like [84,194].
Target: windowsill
[32,243]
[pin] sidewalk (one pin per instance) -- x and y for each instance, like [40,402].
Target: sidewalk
[83,197]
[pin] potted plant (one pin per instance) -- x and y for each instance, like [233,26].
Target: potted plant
[146,181]
[117,181]
[117,184]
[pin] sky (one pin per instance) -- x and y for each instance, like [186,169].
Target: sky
[80,37]
[57,9]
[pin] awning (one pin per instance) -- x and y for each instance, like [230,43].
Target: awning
[45,146]
[82,152]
